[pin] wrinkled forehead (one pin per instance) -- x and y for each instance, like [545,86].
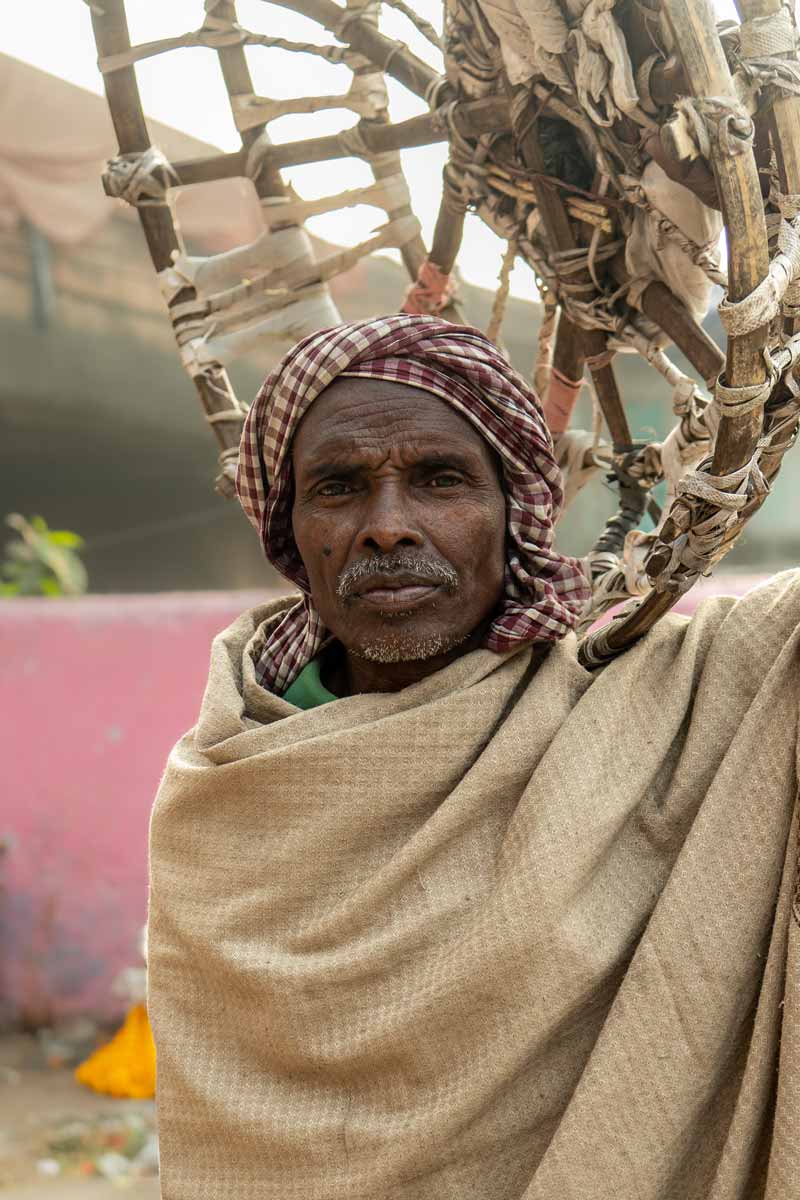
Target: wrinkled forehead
[354,411]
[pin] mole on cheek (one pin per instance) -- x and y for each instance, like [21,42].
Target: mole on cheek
[326,550]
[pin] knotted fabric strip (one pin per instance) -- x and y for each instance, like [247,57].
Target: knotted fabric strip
[739,401]
[142,179]
[544,592]
[716,121]
[432,291]
[714,503]
[764,302]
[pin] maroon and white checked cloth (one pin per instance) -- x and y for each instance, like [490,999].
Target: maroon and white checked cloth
[544,591]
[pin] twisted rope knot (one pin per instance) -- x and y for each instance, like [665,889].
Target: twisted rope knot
[581,300]
[716,118]
[352,142]
[435,91]
[142,180]
[225,482]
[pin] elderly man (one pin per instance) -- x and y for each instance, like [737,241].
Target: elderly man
[436,914]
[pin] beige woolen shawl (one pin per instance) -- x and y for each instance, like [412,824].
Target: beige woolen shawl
[502,935]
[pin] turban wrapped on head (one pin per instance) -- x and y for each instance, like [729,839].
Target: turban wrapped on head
[544,592]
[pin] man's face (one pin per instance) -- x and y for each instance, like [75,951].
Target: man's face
[399,518]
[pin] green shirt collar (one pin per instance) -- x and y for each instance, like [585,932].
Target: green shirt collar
[308,690]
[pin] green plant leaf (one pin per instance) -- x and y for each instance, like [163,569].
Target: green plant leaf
[41,561]
[65,537]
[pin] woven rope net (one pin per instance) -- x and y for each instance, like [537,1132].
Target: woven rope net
[609,144]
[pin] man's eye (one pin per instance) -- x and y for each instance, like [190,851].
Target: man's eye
[335,487]
[445,480]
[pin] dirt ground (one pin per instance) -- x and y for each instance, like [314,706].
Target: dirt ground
[54,1133]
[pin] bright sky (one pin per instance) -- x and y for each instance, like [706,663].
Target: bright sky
[185,89]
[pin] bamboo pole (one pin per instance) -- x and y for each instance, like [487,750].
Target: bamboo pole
[413,252]
[693,27]
[209,168]
[111,36]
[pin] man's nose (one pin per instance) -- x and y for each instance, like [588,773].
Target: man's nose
[388,524]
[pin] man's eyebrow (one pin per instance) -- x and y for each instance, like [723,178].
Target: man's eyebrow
[331,466]
[447,459]
[433,461]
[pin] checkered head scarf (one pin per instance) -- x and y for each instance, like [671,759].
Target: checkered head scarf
[544,592]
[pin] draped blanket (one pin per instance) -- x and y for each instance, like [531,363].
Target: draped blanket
[504,935]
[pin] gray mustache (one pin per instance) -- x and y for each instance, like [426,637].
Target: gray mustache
[365,569]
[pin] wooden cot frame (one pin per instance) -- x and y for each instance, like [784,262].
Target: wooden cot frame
[705,73]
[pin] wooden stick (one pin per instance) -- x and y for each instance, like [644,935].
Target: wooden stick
[236,74]
[213,166]
[782,120]
[413,253]
[111,36]
[665,310]
[447,236]
[667,78]
[471,117]
[568,363]
[670,314]
[393,58]
[568,351]
[122,93]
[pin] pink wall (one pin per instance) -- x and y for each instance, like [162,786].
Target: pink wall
[93,693]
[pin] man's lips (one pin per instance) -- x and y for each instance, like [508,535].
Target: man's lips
[401,592]
[397,597]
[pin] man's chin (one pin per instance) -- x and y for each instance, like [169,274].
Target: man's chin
[405,645]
